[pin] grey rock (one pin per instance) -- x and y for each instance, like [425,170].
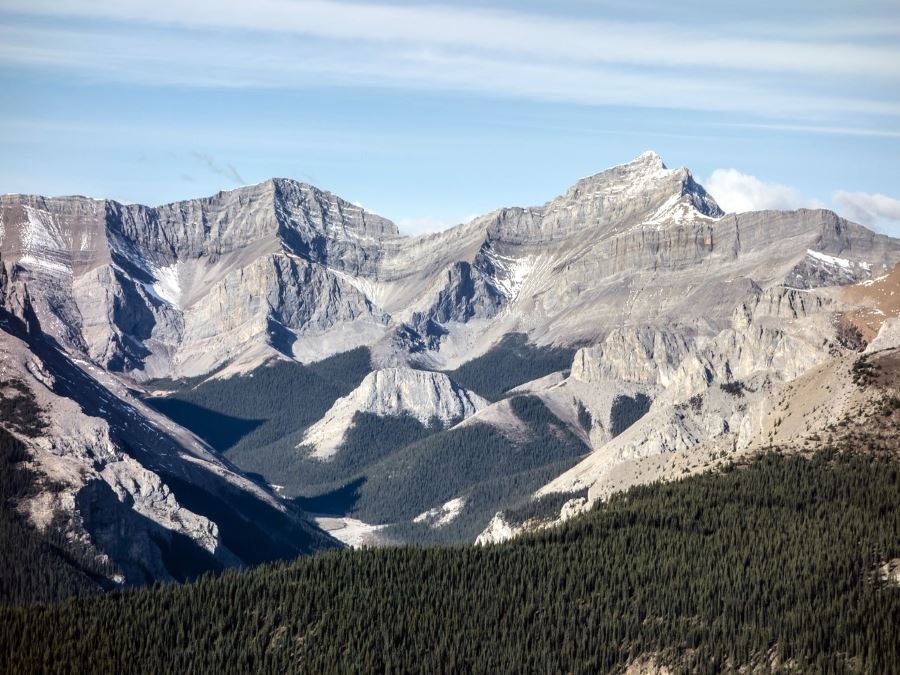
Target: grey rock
[427,396]
[185,288]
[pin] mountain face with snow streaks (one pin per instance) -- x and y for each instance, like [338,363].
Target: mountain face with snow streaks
[686,324]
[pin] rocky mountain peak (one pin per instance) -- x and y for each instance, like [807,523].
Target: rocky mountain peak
[645,178]
[293,197]
[643,192]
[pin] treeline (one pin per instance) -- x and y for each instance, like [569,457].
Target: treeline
[257,419]
[479,462]
[773,566]
[544,508]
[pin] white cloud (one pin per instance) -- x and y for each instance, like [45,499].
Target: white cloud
[514,32]
[869,209]
[737,192]
[291,43]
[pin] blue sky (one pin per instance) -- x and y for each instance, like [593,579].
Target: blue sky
[431,113]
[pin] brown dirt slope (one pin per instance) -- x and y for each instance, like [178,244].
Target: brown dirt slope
[877,300]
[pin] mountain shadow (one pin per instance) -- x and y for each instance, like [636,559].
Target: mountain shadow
[221,431]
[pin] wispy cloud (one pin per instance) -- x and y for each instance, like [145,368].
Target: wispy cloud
[290,43]
[519,33]
[225,169]
[815,129]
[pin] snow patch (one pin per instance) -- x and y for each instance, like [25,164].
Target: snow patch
[843,263]
[32,262]
[512,273]
[42,244]
[168,284]
[676,210]
[372,291]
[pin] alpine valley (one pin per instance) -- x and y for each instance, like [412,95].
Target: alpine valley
[272,371]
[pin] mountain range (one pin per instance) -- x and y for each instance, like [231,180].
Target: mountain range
[273,371]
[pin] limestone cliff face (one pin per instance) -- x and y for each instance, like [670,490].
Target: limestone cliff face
[124,483]
[184,288]
[709,391]
[429,397]
[148,291]
[642,355]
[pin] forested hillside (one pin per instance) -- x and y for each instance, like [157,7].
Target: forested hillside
[257,419]
[477,462]
[388,469]
[774,565]
[509,363]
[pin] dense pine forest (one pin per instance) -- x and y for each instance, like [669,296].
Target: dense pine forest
[773,565]
[251,416]
[509,363]
[257,420]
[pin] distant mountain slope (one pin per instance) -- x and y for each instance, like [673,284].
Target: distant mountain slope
[644,321]
[386,463]
[283,268]
[127,497]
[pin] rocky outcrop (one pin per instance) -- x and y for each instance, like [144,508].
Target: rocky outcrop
[185,288]
[888,336]
[498,530]
[119,480]
[642,355]
[695,316]
[431,398]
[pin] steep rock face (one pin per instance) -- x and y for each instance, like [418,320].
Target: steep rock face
[76,455]
[888,336]
[641,191]
[142,290]
[185,288]
[429,397]
[305,217]
[641,244]
[718,392]
[127,484]
[642,355]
